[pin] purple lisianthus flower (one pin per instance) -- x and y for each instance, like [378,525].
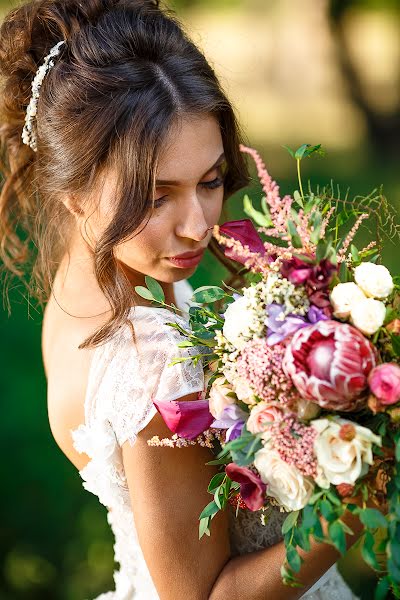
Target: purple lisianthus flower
[279,329]
[316,314]
[252,489]
[232,419]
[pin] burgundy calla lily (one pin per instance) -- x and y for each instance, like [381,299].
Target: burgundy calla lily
[187,418]
[244,232]
[252,489]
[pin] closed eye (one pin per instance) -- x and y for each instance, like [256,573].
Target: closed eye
[210,185]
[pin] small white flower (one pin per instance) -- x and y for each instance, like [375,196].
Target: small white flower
[340,460]
[239,322]
[374,280]
[285,482]
[243,390]
[368,315]
[343,298]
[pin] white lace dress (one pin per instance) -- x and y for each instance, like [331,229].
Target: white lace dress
[123,379]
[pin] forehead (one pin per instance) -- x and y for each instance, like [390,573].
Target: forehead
[191,147]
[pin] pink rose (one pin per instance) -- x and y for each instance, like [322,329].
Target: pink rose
[384,382]
[261,416]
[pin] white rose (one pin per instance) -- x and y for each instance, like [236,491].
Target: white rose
[342,460]
[285,482]
[368,315]
[343,298]
[238,323]
[219,397]
[374,280]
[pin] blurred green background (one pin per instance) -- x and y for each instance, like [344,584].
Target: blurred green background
[297,72]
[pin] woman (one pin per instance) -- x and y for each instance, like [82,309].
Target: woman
[128,150]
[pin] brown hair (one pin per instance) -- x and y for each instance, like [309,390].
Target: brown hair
[126,73]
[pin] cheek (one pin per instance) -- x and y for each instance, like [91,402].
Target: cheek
[144,247]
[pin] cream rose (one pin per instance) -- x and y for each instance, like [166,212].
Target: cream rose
[243,390]
[343,298]
[221,396]
[342,460]
[284,482]
[261,416]
[368,315]
[238,323]
[374,280]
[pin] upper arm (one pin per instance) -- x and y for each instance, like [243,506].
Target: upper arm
[168,491]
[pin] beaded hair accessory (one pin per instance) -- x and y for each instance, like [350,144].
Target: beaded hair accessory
[28,132]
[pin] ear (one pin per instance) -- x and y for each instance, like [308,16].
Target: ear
[71,203]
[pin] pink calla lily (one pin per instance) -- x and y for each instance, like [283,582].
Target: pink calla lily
[252,489]
[244,232]
[187,418]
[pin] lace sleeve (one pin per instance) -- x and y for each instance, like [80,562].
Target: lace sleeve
[143,372]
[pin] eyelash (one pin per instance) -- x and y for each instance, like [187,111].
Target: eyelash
[211,185]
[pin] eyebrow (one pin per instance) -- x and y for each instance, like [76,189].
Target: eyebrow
[161,182]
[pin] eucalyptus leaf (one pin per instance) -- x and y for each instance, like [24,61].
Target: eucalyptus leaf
[208,293]
[144,292]
[155,289]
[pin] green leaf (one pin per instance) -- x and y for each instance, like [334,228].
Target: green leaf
[297,197]
[354,253]
[300,152]
[293,558]
[327,510]
[316,497]
[263,220]
[382,589]
[209,511]
[372,518]
[155,289]
[204,527]
[144,292]
[296,241]
[291,152]
[290,521]
[396,343]
[309,518]
[208,293]
[317,223]
[337,536]
[215,482]
[368,553]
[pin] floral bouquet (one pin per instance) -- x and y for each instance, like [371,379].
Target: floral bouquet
[302,393]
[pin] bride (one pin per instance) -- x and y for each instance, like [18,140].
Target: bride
[121,168]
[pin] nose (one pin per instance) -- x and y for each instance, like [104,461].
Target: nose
[192,221]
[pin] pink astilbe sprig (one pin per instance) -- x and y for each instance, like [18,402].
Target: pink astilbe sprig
[294,443]
[341,256]
[279,207]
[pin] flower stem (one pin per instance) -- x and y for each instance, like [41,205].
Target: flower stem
[299,178]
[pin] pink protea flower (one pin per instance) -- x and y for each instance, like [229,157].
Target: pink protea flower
[384,382]
[329,363]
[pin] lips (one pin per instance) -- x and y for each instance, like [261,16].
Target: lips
[189,254]
[188,259]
